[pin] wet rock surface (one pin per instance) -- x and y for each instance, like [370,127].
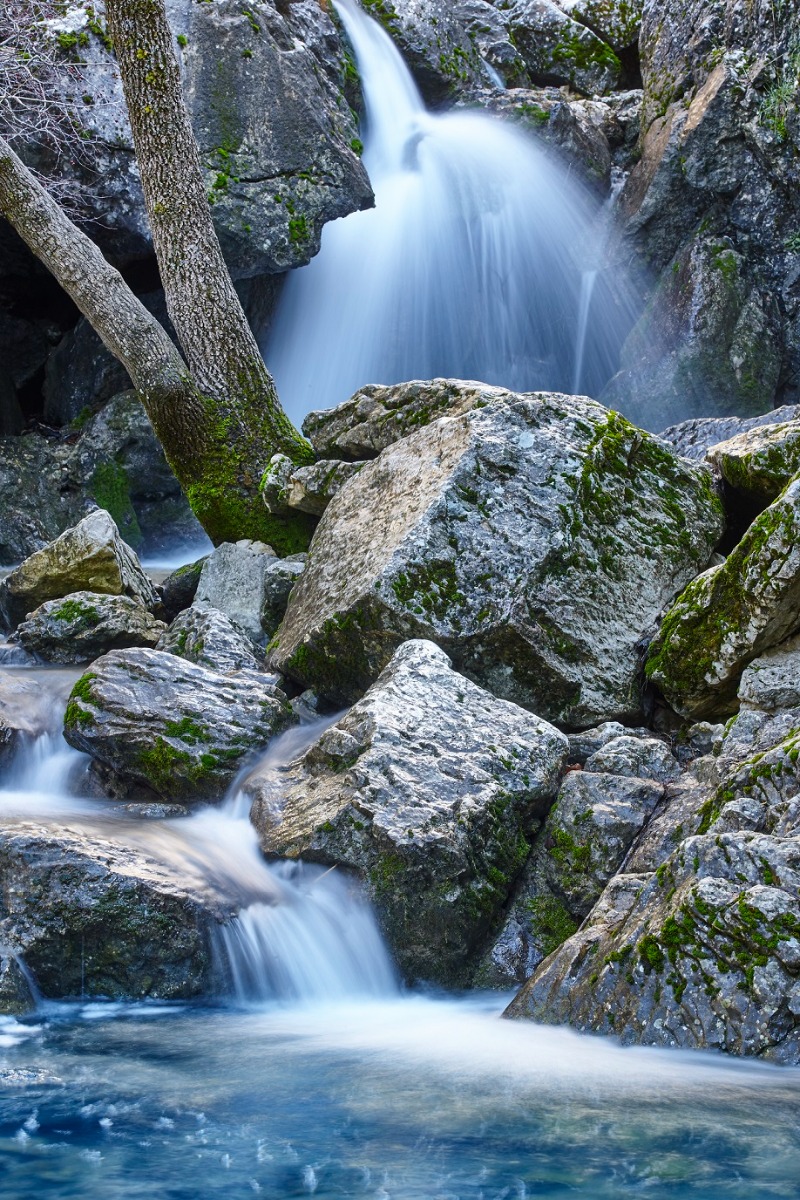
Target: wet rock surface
[83,625]
[176,727]
[204,635]
[430,788]
[534,539]
[233,580]
[89,557]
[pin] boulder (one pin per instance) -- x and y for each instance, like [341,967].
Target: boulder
[90,557]
[731,614]
[281,576]
[557,49]
[180,588]
[83,625]
[697,436]
[583,843]
[535,540]
[635,758]
[288,488]
[759,461]
[277,138]
[618,22]
[179,728]
[34,509]
[206,636]
[772,681]
[233,580]
[429,788]
[378,416]
[91,918]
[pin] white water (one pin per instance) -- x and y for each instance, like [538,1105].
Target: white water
[471,264]
[302,933]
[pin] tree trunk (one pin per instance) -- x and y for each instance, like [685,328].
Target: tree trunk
[218,418]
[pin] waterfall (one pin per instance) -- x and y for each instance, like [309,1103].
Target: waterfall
[302,932]
[471,265]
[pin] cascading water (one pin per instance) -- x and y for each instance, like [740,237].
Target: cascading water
[302,933]
[471,265]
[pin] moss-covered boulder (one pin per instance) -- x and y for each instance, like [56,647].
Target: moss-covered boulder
[759,461]
[558,49]
[597,815]
[431,789]
[179,728]
[704,951]
[535,539]
[83,625]
[90,557]
[731,614]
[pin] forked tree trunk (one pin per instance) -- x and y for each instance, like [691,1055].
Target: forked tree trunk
[218,418]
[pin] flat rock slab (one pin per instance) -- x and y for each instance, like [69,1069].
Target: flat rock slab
[89,557]
[177,727]
[83,625]
[535,539]
[429,788]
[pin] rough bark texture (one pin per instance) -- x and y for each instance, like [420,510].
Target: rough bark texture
[219,418]
[244,422]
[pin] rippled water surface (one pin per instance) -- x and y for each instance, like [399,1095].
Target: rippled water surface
[413,1097]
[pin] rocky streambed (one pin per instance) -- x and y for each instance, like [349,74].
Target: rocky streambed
[568,765]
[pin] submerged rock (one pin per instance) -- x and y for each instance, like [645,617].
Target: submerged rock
[731,614]
[83,625]
[181,729]
[90,557]
[535,539]
[429,788]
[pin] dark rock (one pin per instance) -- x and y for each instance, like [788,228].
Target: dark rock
[695,437]
[180,588]
[281,576]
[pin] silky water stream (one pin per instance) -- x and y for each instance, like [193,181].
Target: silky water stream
[483,258]
[316,1074]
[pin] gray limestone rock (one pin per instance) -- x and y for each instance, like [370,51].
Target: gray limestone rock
[696,437]
[179,728]
[581,847]
[233,580]
[89,557]
[635,757]
[560,50]
[281,576]
[731,614]
[535,539]
[772,682]
[83,625]
[305,489]
[760,461]
[429,788]
[204,635]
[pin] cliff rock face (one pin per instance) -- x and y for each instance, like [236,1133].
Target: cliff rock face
[713,205]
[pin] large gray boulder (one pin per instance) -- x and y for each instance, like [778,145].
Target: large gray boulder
[535,539]
[731,614]
[83,625]
[429,788]
[179,728]
[204,635]
[759,462]
[90,557]
[705,952]
[694,438]
[277,138]
[233,580]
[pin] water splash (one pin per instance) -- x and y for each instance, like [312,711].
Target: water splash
[469,266]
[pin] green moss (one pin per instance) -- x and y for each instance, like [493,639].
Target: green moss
[111,490]
[187,730]
[81,694]
[551,922]
[163,763]
[76,610]
[430,589]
